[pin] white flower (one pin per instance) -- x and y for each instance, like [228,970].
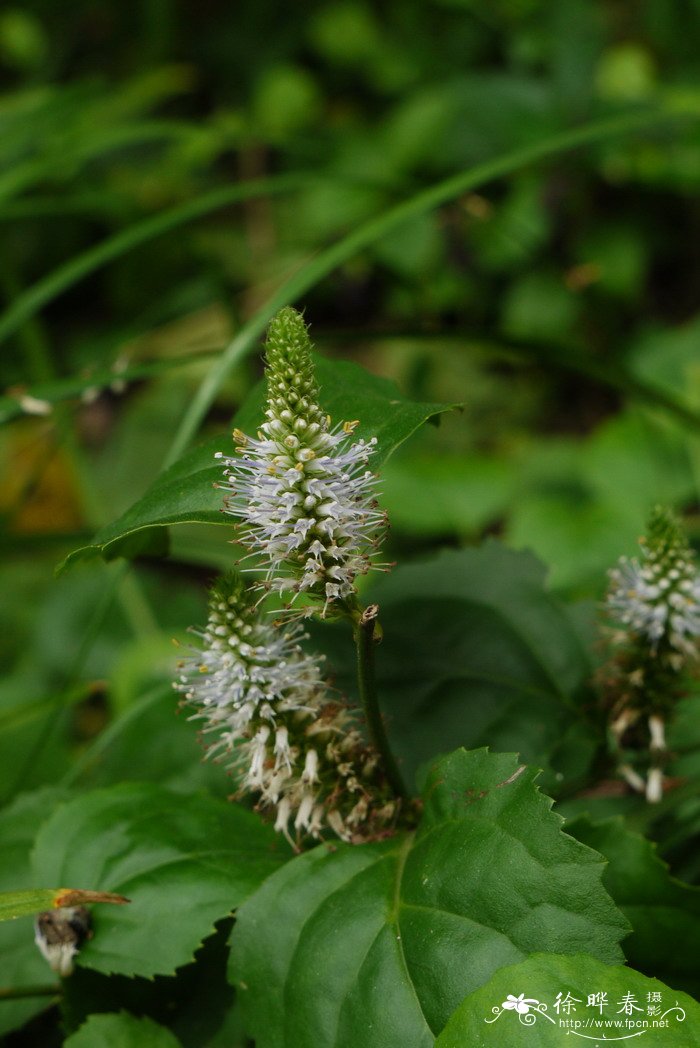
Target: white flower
[310,773]
[657,732]
[655,786]
[302,490]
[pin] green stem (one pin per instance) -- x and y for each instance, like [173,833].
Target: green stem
[365,641]
[16,993]
[73,386]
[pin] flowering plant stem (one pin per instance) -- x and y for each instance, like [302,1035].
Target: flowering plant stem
[17,993]
[365,640]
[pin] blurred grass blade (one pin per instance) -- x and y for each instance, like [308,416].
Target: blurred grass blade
[72,272]
[77,385]
[36,169]
[27,903]
[374,229]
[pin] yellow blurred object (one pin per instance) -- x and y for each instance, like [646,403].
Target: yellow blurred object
[38,491]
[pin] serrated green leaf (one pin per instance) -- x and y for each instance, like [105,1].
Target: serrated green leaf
[124,1030]
[377,945]
[194,1004]
[489,1018]
[184,862]
[186,492]
[476,652]
[664,912]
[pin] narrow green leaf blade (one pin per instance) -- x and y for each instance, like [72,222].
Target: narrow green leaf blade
[33,901]
[81,266]
[489,1018]
[26,903]
[377,945]
[187,493]
[379,226]
[184,862]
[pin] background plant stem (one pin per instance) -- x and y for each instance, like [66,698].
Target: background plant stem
[16,993]
[364,643]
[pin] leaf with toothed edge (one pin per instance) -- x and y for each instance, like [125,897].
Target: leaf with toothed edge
[185,862]
[186,493]
[664,912]
[378,944]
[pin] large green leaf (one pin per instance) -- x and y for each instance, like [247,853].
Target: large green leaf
[454,494]
[184,862]
[149,742]
[664,913]
[476,652]
[21,964]
[377,945]
[124,1030]
[489,1018]
[186,492]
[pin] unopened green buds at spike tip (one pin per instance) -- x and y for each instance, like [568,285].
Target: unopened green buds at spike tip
[302,490]
[264,703]
[658,600]
[291,382]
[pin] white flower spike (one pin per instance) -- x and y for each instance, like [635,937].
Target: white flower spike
[659,599]
[657,602]
[264,702]
[302,490]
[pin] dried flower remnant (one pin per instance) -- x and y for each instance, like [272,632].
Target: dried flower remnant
[656,604]
[264,704]
[60,933]
[302,491]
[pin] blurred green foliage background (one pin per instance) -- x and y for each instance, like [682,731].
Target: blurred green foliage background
[559,305]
